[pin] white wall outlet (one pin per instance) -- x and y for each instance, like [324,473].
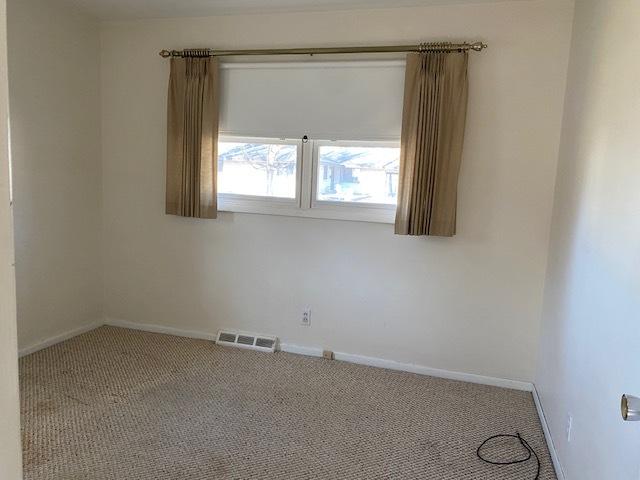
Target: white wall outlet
[305,321]
[568,427]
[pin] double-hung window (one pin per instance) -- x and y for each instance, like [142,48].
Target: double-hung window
[311,139]
[346,180]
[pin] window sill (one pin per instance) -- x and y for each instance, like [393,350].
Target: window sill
[287,208]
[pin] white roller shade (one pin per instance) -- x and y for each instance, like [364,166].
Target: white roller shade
[328,100]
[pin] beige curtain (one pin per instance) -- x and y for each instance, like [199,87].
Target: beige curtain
[435,106]
[192,137]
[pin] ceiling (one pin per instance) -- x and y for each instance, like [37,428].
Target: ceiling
[138,9]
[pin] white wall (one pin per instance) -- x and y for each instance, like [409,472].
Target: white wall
[10,451]
[471,303]
[55,127]
[590,336]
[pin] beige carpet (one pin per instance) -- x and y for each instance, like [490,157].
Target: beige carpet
[122,404]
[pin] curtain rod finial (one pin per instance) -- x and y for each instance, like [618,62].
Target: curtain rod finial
[478,46]
[165,53]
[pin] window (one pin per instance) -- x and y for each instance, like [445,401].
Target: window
[258,167]
[351,110]
[356,172]
[347,180]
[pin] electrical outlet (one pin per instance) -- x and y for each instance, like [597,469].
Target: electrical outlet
[305,321]
[568,427]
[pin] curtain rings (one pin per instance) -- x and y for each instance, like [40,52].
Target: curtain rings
[196,53]
[434,47]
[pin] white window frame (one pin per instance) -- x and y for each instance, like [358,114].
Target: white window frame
[305,203]
[233,202]
[359,211]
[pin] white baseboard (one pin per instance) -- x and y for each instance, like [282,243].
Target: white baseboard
[345,357]
[435,372]
[160,329]
[412,368]
[298,349]
[58,338]
[547,435]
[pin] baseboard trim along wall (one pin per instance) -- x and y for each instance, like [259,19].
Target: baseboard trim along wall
[547,435]
[160,329]
[58,338]
[345,357]
[410,367]
[300,350]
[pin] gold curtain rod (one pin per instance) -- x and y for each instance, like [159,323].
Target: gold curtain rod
[422,47]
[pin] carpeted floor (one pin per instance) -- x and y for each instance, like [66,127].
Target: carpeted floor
[122,404]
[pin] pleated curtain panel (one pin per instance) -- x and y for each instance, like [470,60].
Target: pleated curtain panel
[433,122]
[192,136]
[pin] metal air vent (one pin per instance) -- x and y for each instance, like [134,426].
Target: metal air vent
[226,337]
[263,343]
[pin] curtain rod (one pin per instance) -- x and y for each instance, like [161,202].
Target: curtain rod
[422,47]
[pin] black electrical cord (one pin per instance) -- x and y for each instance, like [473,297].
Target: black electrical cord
[523,442]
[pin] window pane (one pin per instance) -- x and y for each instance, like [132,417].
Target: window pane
[262,169]
[358,174]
